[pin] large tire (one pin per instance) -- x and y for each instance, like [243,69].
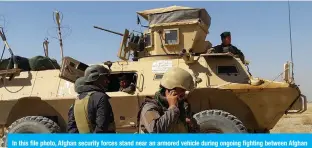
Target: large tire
[31,124]
[218,121]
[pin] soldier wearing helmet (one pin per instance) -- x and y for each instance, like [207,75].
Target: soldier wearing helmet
[92,112]
[165,112]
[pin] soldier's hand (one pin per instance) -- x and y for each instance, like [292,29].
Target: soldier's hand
[172,98]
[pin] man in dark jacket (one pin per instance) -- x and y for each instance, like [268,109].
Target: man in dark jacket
[226,46]
[92,112]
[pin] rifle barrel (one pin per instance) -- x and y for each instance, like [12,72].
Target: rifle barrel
[108,30]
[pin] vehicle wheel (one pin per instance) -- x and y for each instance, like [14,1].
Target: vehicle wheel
[218,121]
[31,124]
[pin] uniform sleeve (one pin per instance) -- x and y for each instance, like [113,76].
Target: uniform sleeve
[71,125]
[103,113]
[155,123]
[240,54]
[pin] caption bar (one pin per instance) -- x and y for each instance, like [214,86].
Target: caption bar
[161,140]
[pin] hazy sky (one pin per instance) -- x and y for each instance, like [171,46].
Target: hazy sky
[259,29]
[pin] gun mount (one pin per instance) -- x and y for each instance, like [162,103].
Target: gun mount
[133,42]
[170,33]
[108,30]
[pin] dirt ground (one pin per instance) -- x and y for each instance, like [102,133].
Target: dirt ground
[301,123]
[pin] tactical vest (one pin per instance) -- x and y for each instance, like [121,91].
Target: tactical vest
[178,127]
[81,115]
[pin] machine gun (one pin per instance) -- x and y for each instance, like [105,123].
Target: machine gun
[134,42]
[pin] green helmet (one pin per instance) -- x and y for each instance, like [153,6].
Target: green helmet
[93,72]
[177,77]
[79,83]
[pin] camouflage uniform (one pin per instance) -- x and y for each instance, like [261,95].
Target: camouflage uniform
[155,116]
[228,48]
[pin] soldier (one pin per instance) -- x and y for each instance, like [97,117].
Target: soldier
[125,85]
[92,111]
[165,113]
[226,46]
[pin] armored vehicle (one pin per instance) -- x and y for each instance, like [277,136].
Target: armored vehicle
[226,99]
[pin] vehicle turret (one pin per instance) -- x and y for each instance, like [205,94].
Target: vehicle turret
[171,31]
[175,29]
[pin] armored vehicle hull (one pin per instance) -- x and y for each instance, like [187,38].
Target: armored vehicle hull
[258,106]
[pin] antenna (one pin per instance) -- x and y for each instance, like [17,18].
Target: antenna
[46,47]
[58,18]
[290,39]
[61,34]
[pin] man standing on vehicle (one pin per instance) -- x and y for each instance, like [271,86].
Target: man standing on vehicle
[92,111]
[165,113]
[226,46]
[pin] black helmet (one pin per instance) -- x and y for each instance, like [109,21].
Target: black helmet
[93,72]
[79,83]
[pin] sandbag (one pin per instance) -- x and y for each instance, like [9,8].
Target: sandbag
[38,63]
[22,62]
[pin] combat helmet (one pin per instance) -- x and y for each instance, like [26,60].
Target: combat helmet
[79,83]
[93,72]
[177,77]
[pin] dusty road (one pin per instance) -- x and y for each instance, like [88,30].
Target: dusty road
[295,123]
